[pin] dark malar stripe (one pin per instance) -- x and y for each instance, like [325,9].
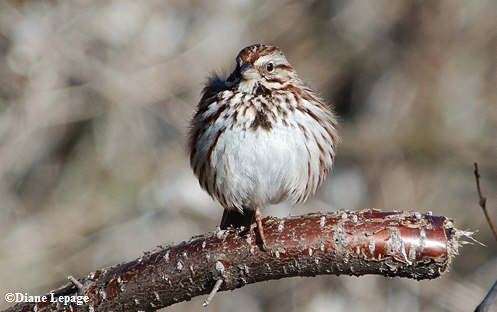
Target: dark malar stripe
[275,80]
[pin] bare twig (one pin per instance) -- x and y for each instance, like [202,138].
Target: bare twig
[488,300]
[214,290]
[75,282]
[483,200]
[492,293]
[402,244]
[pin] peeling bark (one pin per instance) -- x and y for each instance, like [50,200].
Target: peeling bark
[402,244]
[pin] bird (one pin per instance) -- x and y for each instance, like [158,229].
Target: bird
[259,137]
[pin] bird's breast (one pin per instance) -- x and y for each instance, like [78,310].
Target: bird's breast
[258,166]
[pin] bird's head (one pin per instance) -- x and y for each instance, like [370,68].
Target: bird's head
[260,68]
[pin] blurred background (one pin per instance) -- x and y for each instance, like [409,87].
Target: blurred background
[96,97]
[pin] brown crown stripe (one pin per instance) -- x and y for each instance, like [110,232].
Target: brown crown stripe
[253,52]
[244,54]
[268,50]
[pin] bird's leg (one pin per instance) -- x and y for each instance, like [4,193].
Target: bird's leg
[258,220]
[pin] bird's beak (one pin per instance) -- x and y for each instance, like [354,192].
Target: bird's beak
[248,71]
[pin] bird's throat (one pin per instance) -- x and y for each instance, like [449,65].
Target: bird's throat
[248,86]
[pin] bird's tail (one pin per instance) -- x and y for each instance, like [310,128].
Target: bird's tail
[233,218]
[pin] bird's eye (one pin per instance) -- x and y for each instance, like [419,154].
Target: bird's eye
[269,67]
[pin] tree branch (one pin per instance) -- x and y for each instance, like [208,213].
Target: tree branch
[483,200]
[402,244]
[489,299]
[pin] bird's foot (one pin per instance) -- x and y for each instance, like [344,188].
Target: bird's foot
[258,220]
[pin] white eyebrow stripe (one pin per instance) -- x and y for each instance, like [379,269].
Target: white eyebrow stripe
[275,58]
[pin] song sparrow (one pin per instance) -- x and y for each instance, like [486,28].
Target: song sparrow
[260,136]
